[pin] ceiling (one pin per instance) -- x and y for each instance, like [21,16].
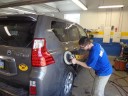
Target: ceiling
[51,6]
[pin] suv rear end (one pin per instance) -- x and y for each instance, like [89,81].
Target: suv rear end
[31,56]
[16,37]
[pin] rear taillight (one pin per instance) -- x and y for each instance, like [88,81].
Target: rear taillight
[40,55]
[32,88]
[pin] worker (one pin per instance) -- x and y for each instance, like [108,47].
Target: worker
[97,60]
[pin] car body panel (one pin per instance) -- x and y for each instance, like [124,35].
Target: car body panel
[48,78]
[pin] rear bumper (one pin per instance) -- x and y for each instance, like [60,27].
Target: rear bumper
[45,79]
[7,90]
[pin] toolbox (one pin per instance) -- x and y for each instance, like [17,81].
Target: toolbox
[120,63]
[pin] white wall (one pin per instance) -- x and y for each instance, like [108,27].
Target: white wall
[105,17]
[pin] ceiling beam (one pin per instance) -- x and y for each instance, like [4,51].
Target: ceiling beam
[49,8]
[25,2]
[22,10]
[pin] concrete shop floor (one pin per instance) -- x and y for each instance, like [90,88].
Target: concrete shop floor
[117,85]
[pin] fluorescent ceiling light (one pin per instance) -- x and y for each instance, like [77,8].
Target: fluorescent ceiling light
[22,10]
[111,6]
[7,31]
[81,5]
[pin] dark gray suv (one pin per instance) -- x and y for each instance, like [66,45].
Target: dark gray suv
[32,49]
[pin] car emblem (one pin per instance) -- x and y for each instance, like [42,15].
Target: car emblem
[9,52]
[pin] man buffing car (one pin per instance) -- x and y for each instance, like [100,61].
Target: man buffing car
[97,60]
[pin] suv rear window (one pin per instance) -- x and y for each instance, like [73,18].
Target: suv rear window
[16,33]
[59,30]
[73,33]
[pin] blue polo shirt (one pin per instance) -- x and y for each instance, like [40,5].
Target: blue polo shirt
[98,60]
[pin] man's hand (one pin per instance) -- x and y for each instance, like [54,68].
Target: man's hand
[74,61]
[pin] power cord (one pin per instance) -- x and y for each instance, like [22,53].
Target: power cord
[116,84]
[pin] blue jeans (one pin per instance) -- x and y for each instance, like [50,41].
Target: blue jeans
[99,85]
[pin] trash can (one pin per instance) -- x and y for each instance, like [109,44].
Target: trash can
[120,64]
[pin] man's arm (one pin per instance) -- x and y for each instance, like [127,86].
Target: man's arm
[83,64]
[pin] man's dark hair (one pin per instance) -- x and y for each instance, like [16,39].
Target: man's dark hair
[84,40]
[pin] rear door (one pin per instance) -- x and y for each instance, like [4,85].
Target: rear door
[74,36]
[83,33]
[59,29]
[16,36]
[75,33]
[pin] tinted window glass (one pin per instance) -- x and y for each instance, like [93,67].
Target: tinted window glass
[59,30]
[82,32]
[73,33]
[17,34]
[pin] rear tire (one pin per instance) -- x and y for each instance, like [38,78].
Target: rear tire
[67,82]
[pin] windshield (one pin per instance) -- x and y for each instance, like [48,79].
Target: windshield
[17,34]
